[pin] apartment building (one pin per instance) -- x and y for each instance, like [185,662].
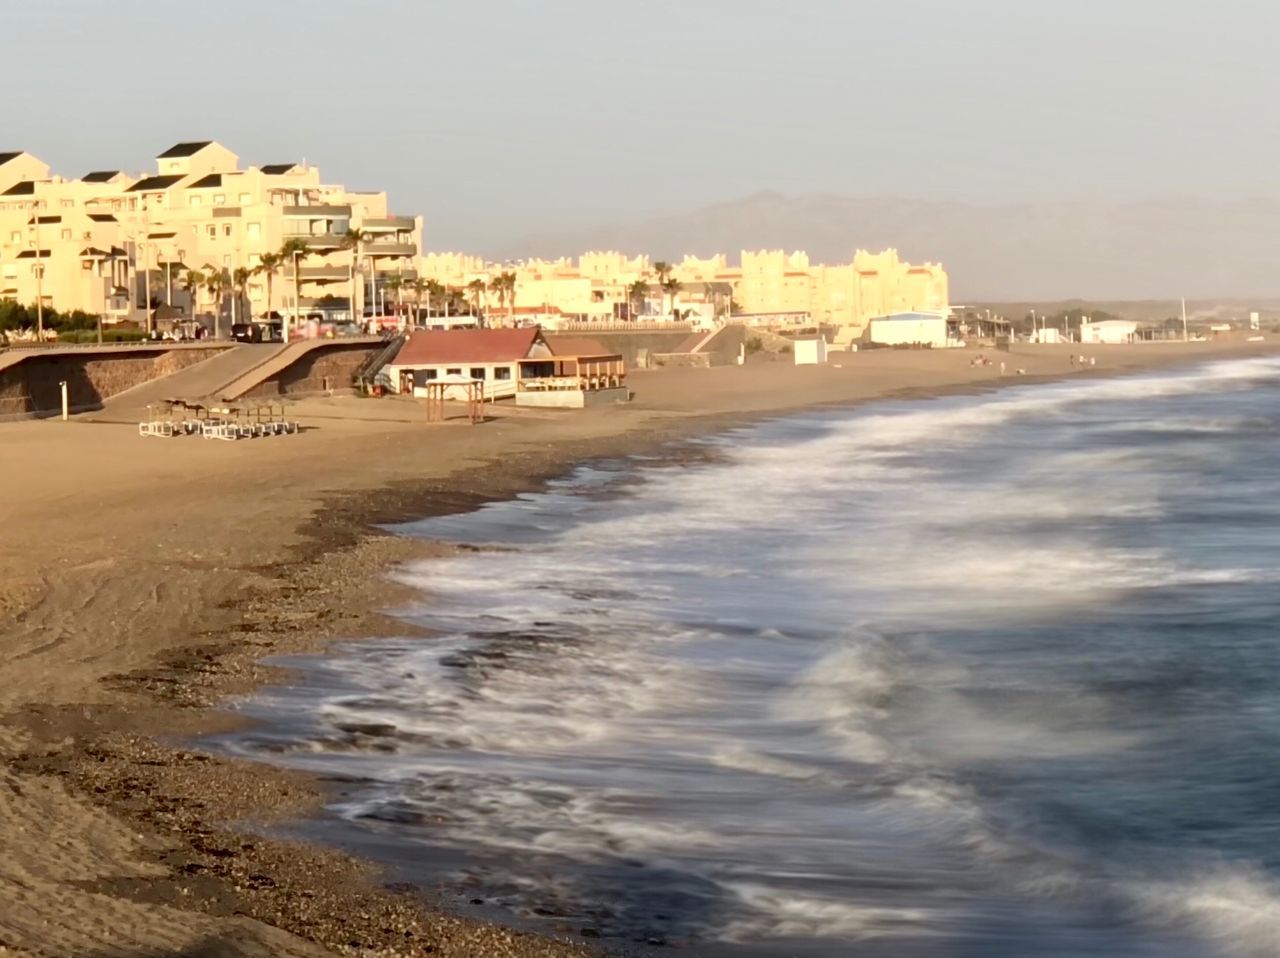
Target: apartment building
[763,283]
[99,242]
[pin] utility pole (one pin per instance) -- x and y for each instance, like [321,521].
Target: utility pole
[1184,320]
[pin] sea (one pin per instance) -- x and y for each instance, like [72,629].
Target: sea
[977,675]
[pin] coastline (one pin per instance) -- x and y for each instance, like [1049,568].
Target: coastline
[118,826]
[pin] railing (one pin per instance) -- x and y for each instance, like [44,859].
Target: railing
[621,326]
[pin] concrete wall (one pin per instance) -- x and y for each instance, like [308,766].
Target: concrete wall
[31,387]
[627,344]
[324,369]
[572,398]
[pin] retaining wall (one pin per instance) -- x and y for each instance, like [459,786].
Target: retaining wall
[30,387]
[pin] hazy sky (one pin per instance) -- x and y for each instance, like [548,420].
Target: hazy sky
[498,119]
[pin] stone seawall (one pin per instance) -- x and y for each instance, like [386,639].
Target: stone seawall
[31,387]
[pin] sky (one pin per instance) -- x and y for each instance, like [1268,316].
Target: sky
[497,119]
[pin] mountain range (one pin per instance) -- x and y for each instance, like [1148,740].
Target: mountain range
[1149,249]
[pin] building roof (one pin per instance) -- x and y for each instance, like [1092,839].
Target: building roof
[434,347]
[102,217]
[42,220]
[33,254]
[276,169]
[11,155]
[149,183]
[21,188]
[207,182]
[178,150]
[100,176]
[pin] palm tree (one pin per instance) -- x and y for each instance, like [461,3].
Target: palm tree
[294,251]
[240,286]
[216,285]
[192,283]
[351,240]
[508,283]
[637,292]
[498,287]
[476,289]
[663,270]
[395,283]
[435,289]
[268,265]
[419,286]
[671,286]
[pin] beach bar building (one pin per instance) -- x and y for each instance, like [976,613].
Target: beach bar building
[508,363]
[491,356]
[931,330]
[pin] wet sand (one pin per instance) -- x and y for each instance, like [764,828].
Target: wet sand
[141,582]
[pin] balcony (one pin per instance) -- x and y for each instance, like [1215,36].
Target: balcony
[319,274]
[389,224]
[319,241]
[389,249]
[318,211]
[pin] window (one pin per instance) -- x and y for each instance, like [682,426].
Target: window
[66,234]
[87,235]
[430,373]
[478,372]
[220,199]
[212,231]
[194,201]
[453,372]
[15,237]
[255,230]
[245,199]
[226,230]
[68,204]
[502,372]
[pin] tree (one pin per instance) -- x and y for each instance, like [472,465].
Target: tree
[671,288]
[435,290]
[476,289]
[637,293]
[216,285]
[268,265]
[395,283]
[294,251]
[351,240]
[192,283]
[508,284]
[418,286]
[240,286]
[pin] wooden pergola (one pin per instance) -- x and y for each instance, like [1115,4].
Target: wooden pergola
[586,373]
[438,391]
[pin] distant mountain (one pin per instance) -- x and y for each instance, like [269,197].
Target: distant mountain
[1153,249]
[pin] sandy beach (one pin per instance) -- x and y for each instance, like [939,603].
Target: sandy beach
[142,581]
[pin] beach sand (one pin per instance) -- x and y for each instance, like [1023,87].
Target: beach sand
[141,581]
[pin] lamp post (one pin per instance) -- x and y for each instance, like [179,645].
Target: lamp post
[39,267]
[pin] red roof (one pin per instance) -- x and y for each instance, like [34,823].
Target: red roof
[433,346]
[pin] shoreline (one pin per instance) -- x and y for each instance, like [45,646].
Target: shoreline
[119,753]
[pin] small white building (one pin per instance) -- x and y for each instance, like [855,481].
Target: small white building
[912,329]
[810,351]
[1108,332]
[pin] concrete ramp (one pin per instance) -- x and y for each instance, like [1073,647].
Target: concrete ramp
[273,366]
[204,380]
